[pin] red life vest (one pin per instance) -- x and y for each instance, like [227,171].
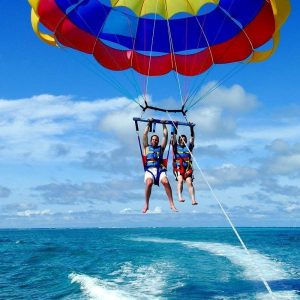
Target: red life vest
[182,162]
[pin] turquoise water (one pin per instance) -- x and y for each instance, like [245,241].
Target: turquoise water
[149,263]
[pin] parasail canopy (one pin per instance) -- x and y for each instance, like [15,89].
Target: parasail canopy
[154,37]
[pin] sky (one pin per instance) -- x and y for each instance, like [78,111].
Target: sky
[69,155]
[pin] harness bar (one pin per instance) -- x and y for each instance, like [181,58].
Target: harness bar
[157,121]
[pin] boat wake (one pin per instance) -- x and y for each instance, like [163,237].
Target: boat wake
[252,265]
[129,282]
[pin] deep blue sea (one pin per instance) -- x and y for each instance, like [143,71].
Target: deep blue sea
[149,263]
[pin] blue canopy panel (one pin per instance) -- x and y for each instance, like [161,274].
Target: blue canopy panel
[243,11]
[88,15]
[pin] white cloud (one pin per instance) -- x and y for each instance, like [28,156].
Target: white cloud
[29,213]
[229,175]
[104,191]
[211,121]
[63,127]
[51,115]
[292,207]
[101,131]
[284,164]
[120,123]
[234,98]
[41,124]
[279,146]
[126,211]
[285,158]
[269,133]
[53,107]
[216,117]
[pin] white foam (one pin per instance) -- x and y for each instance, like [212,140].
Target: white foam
[150,279]
[271,269]
[97,289]
[282,295]
[253,266]
[129,282]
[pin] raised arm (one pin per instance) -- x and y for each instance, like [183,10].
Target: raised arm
[145,136]
[192,138]
[174,134]
[173,139]
[165,138]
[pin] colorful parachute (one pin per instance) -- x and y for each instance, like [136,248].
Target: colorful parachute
[155,37]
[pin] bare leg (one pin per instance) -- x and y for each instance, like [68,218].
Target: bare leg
[148,188]
[168,189]
[191,189]
[179,188]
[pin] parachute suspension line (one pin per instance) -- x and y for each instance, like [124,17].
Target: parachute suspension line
[140,78]
[195,62]
[151,51]
[114,83]
[173,56]
[194,93]
[93,69]
[227,218]
[135,78]
[142,113]
[235,70]
[135,85]
[186,83]
[195,88]
[231,73]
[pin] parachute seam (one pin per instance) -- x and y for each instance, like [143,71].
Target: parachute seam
[237,23]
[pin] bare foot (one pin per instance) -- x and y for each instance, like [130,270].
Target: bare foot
[174,208]
[181,200]
[145,209]
[195,203]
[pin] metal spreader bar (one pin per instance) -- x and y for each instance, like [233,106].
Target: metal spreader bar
[168,122]
[153,123]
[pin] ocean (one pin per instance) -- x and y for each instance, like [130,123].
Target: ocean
[149,263]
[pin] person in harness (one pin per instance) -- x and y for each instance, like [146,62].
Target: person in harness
[182,164]
[155,166]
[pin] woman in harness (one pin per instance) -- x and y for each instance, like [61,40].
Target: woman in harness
[155,166]
[182,164]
